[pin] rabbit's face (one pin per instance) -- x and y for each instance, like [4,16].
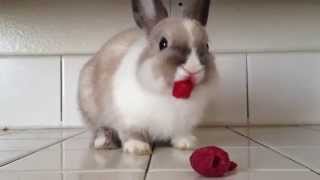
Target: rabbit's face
[177,49]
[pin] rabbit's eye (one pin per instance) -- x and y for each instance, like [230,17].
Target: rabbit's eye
[207,46]
[163,43]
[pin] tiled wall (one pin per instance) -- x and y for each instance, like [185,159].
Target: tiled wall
[30,91]
[267,59]
[283,88]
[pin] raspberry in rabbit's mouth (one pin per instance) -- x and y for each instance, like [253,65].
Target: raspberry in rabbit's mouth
[182,89]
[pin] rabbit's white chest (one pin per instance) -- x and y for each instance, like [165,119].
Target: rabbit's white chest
[162,117]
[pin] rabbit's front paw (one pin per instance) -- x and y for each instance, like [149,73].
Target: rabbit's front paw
[105,141]
[136,147]
[99,142]
[184,142]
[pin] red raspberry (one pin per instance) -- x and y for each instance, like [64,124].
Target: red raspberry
[211,161]
[182,89]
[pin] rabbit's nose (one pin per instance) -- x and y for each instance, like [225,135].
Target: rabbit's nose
[191,73]
[196,75]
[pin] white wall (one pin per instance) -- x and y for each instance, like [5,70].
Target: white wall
[82,26]
[247,34]
[30,91]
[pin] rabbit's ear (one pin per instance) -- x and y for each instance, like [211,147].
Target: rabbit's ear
[147,13]
[198,10]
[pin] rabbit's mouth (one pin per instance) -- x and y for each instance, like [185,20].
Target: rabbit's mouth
[183,89]
[195,76]
[186,81]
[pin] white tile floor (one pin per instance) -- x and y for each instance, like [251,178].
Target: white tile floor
[261,153]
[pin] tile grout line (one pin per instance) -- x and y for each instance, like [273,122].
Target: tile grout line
[78,171]
[170,7]
[219,51]
[61,160]
[6,133]
[61,108]
[275,151]
[14,132]
[249,170]
[149,163]
[37,150]
[247,90]
[61,90]
[310,129]
[256,125]
[32,131]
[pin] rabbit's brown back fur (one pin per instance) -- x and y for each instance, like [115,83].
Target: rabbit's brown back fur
[99,70]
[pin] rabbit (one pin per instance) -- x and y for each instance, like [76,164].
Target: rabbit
[125,90]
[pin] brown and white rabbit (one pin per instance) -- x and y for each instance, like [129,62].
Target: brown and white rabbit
[125,90]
